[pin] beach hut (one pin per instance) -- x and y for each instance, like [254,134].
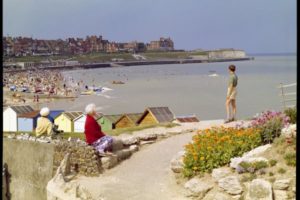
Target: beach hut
[107,122]
[127,120]
[10,117]
[156,115]
[53,114]
[186,119]
[28,121]
[79,122]
[65,121]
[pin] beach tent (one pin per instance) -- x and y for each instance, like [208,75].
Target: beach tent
[127,120]
[156,115]
[186,119]
[28,121]
[10,117]
[53,114]
[107,122]
[65,121]
[79,122]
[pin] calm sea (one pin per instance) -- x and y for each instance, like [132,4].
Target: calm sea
[187,88]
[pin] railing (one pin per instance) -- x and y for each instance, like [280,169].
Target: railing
[289,98]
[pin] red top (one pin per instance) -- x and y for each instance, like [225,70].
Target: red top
[92,130]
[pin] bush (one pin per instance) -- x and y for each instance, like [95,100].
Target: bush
[290,159]
[292,114]
[212,148]
[270,124]
[252,167]
[281,170]
[272,162]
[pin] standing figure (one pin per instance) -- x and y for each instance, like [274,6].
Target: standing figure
[231,95]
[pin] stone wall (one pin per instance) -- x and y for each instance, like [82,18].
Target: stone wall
[83,158]
[30,165]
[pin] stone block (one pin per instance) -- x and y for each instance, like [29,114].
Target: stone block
[123,154]
[109,162]
[259,189]
[231,185]
[219,173]
[117,145]
[282,184]
[197,187]
[177,162]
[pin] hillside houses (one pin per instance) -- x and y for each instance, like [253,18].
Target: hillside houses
[27,46]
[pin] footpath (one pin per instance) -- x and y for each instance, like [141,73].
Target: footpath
[147,174]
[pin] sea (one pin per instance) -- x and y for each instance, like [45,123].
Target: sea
[187,89]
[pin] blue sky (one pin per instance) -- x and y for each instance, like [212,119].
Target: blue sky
[256,26]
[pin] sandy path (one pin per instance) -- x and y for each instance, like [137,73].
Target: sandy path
[146,175]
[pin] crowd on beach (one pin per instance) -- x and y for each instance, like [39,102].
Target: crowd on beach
[39,83]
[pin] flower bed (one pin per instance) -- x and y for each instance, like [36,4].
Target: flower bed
[270,124]
[212,148]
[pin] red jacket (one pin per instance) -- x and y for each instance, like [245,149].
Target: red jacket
[92,130]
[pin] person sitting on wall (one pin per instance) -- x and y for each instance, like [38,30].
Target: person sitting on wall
[44,125]
[93,134]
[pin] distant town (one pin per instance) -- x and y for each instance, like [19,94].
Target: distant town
[26,53]
[25,46]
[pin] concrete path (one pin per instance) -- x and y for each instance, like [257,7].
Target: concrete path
[146,175]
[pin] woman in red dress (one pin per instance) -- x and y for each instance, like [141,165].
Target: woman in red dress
[93,134]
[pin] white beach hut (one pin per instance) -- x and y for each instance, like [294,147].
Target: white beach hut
[10,117]
[79,122]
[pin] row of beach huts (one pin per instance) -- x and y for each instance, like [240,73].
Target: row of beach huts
[24,118]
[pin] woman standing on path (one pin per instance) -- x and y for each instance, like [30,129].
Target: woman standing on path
[93,134]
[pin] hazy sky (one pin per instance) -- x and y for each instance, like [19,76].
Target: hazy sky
[257,26]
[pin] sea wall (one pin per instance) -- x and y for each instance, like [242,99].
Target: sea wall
[30,165]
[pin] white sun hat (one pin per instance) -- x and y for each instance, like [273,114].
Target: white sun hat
[44,112]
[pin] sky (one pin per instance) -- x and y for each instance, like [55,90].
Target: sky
[256,26]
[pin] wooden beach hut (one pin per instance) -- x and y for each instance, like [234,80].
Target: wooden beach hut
[10,117]
[65,121]
[156,115]
[107,122]
[53,114]
[127,120]
[28,121]
[79,122]
[186,119]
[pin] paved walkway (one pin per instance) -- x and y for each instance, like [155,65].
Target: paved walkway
[147,174]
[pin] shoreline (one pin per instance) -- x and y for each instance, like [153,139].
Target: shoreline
[132,63]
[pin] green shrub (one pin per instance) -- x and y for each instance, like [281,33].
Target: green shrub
[252,167]
[271,174]
[272,162]
[292,114]
[271,129]
[290,159]
[281,170]
[212,148]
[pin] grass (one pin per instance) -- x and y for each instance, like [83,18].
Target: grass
[114,132]
[119,131]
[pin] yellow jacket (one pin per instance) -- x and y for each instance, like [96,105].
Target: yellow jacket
[44,126]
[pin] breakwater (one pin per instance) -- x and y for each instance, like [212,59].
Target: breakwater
[135,63]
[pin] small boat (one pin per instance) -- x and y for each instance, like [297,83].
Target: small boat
[213,74]
[117,82]
[88,92]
